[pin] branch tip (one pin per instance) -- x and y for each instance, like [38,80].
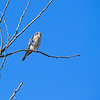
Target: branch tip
[4,11]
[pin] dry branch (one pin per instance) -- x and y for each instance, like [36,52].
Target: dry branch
[40,53]
[19,22]
[27,26]
[4,11]
[37,52]
[16,91]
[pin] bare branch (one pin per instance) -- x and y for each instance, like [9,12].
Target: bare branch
[40,53]
[19,22]
[27,25]
[1,41]
[16,91]
[4,11]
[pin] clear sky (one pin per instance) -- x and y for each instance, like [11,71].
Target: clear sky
[68,27]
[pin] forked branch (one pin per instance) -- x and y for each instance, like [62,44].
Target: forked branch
[16,91]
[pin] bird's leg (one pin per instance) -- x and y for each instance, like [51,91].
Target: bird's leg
[34,51]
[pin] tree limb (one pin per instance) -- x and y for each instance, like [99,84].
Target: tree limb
[37,52]
[40,53]
[16,91]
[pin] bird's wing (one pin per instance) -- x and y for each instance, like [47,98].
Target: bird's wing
[28,52]
[31,41]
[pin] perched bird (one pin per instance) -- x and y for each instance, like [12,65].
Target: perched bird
[33,44]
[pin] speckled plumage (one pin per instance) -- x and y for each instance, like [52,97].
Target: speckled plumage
[33,44]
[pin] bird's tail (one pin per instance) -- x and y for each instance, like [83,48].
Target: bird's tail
[26,54]
[23,58]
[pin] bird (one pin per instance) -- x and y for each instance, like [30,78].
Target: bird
[33,44]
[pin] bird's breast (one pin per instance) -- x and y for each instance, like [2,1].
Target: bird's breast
[32,47]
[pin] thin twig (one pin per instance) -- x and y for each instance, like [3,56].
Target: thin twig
[40,53]
[19,22]
[4,11]
[6,29]
[28,25]
[1,40]
[16,91]
[56,56]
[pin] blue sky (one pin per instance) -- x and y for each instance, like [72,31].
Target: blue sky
[68,27]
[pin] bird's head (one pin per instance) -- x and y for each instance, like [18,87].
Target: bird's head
[38,34]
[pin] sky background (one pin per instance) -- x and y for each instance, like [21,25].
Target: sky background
[68,27]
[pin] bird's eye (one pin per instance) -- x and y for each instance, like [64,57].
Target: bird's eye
[36,33]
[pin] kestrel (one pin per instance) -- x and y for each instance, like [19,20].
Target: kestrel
[33,44]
